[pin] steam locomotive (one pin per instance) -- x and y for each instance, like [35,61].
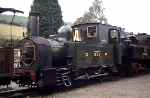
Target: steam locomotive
[87,51]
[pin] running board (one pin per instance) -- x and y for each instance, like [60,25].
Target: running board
[91,76]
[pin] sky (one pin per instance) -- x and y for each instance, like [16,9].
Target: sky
[133,15]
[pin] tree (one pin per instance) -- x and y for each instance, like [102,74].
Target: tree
[95,14]
[50,16]
[97,11]
[87,18]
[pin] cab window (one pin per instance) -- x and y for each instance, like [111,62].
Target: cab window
[114,34]
[91,31]
[76,35]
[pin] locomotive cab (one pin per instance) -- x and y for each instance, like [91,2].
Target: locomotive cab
[95,33]
[93,49]
[85,33]
[36,50]
[36,62]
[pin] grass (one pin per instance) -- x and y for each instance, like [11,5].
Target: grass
[17,31]
[18,20]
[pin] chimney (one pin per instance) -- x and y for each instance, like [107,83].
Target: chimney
[33,26]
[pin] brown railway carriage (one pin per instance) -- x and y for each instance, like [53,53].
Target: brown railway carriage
[6,65]
[7,55]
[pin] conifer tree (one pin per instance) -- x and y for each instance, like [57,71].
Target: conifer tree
[50,16]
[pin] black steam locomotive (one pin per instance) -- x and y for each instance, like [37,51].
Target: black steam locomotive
[90,50]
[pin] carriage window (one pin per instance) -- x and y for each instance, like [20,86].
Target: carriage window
[91,31]
[77,35]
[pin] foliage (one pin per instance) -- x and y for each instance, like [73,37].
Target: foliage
[85,19]
[97,11]
[50,16]
[18,20]
[9,43]
[95,14]
[17,31]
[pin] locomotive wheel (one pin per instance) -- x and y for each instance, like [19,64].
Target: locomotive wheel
[125,70]
[122,70]
[40,84]
[133,69]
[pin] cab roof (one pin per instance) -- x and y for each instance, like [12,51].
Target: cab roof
[10,10]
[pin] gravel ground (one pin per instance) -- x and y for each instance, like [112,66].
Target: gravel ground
[135,87]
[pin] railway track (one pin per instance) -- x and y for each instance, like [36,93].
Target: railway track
[24,92]
[17,93]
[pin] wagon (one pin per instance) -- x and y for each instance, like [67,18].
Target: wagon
[6,65]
